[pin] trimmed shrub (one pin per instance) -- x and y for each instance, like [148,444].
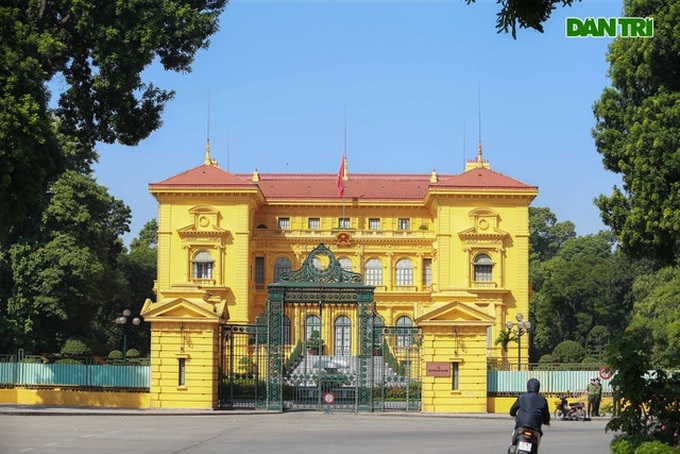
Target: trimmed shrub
[76,346]
[569,351]
[655,447]
[546,359]
[115,354]
[132,353]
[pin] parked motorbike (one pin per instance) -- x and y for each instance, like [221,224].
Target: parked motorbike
[569,411]
[525,441]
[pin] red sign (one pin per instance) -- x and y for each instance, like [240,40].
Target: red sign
[329,398]
[438,370]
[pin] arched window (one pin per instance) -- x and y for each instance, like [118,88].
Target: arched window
[345,264]
[404,272]
[202,265]
[404,325]
[343,335]
[281,265]
[374,272]
[312,324]
[378,324]
[483,268]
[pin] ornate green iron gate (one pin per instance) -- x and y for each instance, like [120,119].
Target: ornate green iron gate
[397,385]
[320,337]
[242,368]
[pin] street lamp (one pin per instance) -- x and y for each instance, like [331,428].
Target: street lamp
[522,327]
[124,320]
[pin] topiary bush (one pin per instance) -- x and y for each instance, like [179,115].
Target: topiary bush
[132,353]
[76,346]
[569,351]
[115,354]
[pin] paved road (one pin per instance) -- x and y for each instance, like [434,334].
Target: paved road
[292,432]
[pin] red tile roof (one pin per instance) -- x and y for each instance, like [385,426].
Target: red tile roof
[388,187]
[203,176]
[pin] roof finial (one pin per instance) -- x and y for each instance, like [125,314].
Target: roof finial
[207,161]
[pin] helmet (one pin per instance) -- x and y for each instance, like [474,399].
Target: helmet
[533,385]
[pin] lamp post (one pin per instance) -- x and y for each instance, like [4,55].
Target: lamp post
[124,320]
[521,328]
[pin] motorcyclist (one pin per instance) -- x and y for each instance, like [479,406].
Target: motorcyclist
[530,410]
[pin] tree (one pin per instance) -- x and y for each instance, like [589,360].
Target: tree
[649,399]
[656,315]
[546,237]
[637,132]
[525,14]
[62,275]
[98,50]
[575,293]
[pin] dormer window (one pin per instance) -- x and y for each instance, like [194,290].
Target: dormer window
[202,265]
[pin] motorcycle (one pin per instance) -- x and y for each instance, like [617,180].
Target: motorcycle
[569,411]
[525,441]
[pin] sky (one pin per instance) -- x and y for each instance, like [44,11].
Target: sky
[402,85]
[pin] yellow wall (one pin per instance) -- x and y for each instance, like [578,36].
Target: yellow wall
[196,344]
[70,398]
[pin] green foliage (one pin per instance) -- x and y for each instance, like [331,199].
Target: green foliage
[638,136]
[524,14]
[132,353]
[67,361]
[590,361]
[547,359]
[315,342]
[650,400]
[656,312]
[626,444]
[115,354]
[60,277]
[294,357]
[504,338]
[76,346]
[597,341]
[569,352]
[98,52]
[655,447]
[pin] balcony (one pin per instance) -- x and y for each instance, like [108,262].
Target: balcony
[330,235]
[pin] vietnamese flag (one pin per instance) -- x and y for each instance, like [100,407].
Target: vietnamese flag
[341,174]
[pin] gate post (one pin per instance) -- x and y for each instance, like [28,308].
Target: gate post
[365,360]
[275,351]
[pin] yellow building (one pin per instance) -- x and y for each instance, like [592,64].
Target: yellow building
[446,255]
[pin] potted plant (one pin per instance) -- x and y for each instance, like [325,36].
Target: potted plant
[315,343]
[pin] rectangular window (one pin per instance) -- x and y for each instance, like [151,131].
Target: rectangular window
[284,223]
[404,224]
[343,223]
[313,223]
[427,272]
[374,224]
[181,380]
[202,270]
[259,270]
[454,376]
